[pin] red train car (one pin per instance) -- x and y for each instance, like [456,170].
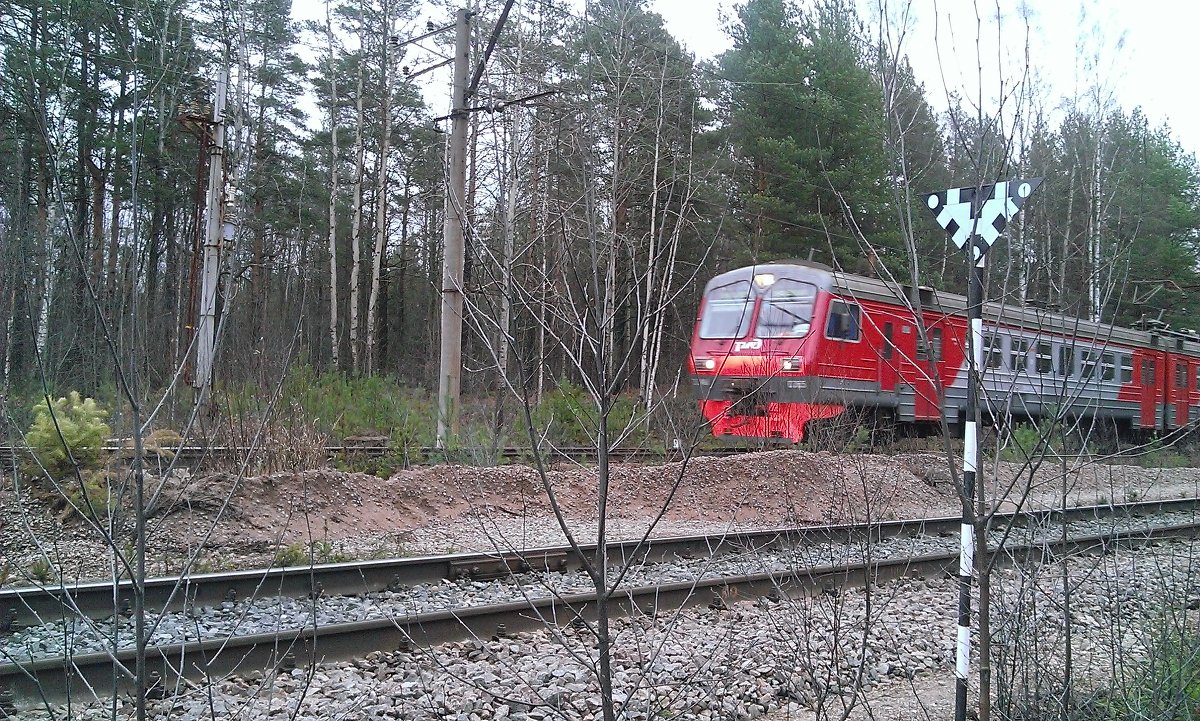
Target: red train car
[779,345]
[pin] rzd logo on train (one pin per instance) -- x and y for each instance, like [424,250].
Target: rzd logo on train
[755,344]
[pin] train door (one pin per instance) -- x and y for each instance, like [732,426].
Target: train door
[1182,393]
[1194,396]
[907,371]
[1194,399]
[922,374]
[1148,390]
[889,370]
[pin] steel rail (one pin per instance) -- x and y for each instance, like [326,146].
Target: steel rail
[34,605]
[95,675]
[187,455]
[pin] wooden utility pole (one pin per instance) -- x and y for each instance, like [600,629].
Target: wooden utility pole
[206,337]
[450,366]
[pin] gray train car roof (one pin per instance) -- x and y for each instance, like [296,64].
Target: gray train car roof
[943,302]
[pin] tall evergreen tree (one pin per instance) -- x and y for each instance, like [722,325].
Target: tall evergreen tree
[805,123]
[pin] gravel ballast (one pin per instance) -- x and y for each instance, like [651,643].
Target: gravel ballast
[763,659]
[272,615]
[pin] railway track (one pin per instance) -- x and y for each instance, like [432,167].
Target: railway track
[54,676]
[191,456]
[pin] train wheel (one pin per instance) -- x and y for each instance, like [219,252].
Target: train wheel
[883,429]
[848,431]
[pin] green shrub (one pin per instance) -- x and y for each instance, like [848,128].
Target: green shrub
[293,554]
[1166,685]
[92,498]
[350,406]
[569,415]
[71,424]
[41,571]
[1159,454]
[298,554]
[326,552]
[1050,437]
[342,406]
[380,466]
[1023,443]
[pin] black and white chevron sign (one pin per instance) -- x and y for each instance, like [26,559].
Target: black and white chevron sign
[980,212]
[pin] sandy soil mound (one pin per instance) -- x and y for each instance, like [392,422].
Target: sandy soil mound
[446,508]
[759,489]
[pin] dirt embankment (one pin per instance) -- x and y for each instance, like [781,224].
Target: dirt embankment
[445,508]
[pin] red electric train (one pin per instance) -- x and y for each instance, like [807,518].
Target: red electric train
[777,346]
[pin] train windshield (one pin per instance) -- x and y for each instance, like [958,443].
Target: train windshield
[727,311]
[787,310]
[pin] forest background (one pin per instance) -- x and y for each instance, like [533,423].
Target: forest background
[806,139]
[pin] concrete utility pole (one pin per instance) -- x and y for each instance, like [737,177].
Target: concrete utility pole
[450,366]
[974,218]
[214,230]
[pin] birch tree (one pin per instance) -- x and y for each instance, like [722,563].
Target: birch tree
[334,160]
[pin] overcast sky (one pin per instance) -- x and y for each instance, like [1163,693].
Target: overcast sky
[1146,49]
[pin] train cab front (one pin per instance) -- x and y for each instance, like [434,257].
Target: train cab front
[753,350]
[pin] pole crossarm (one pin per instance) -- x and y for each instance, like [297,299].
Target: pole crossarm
[433,31]
[495,107]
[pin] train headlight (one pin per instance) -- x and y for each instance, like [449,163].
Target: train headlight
[706,364]
[793,364]
[764,280]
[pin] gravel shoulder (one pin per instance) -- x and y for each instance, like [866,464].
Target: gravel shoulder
[226,521]
[235,522]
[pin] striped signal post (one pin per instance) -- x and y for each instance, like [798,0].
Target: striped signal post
[974,218]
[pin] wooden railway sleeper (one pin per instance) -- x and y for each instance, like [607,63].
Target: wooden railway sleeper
[156,689]
[8,704]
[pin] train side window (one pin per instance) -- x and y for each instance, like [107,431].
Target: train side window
[993,352]
[1148,372]
[1197,377]
[1087,363]
[1066,360]
[843,322]
[1126,369]
[935,340]
[1108,367]
[1181,376]
[887,341]
[1018,355]
[1044,359]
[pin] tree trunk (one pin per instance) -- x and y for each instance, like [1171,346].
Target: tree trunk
[333,193]
[356,219]
[509,229]
[1063,294]
[1094,235]
[381,202]
[402,269]
[646,380]
[114,236]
